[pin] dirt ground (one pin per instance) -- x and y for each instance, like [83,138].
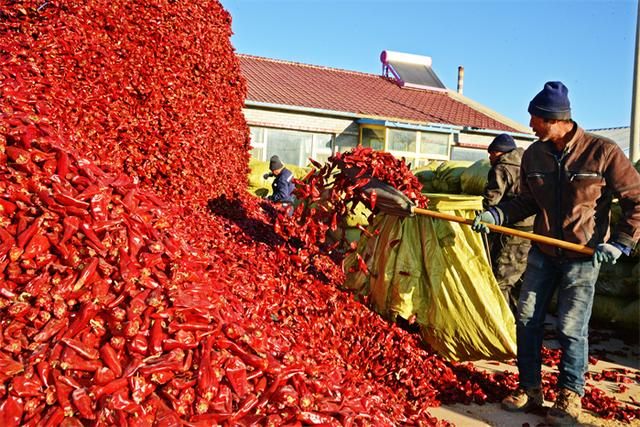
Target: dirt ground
[621,349]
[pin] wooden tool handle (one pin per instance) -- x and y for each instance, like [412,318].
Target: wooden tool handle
[510,231]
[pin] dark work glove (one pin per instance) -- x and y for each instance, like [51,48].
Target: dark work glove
[478,225]
[266,175]
[605,252]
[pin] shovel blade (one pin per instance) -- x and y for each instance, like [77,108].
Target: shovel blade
[389,200]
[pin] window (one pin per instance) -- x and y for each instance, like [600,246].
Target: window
[293,147]
[472,154]
[322,143]
[346,142]
[373,137]
[289,145]
[434,143]
[257,142]
[416,146]
[402,140]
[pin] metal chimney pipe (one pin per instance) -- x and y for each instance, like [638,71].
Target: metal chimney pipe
[460,79]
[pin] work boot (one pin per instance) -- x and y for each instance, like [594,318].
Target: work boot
[523,400]
[566,410]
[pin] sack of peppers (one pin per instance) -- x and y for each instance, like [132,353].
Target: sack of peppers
[138,285]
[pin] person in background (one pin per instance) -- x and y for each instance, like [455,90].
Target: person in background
[282,185]
[508,253]
[568,178]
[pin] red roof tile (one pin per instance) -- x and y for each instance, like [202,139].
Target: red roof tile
[369,95]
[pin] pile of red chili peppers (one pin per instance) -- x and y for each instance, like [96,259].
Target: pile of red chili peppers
[126,298]
[332,191]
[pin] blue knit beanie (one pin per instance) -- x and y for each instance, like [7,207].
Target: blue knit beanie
[503,143]
[552,102]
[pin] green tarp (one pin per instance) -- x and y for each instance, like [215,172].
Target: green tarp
[437,271]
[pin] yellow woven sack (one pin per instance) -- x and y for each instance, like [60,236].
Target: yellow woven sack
[437,271]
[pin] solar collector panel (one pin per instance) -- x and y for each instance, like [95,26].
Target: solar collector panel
[417,74]
[411,70]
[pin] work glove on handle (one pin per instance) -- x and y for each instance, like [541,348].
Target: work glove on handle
[266,175]
[486,217]
[606,252]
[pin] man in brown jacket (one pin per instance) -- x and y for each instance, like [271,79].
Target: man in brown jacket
[568,179]
[508,253]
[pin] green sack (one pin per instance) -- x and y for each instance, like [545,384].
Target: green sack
[447,176]
[474,179]
[619,311]
[620,279]
[426,175]
[438,272]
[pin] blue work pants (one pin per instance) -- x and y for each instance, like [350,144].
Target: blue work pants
[575,281]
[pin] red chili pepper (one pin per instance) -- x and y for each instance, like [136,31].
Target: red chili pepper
[372,199]
[188,361]
[6,207]
[157,336]
[71,226]
[120,402]
[222,403]
[139,344]
[236,372]
[54,417]
[104,376]
[11,410]
[94,240]
[140,388]
[82,402]
[69,201]
[76,363]
[87,312]
[99,204]
[110,388]
[110,358]
[62,166]
[29,232]
[23,386]
[44,372]
[164,365]
[162,377]
[38,245]
[81,348]
[63,392]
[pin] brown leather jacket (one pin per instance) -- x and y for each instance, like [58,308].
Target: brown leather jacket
[503,184]
[571,194]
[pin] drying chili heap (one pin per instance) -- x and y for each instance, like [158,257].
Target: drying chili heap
[139,285]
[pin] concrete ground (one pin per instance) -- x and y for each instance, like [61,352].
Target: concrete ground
[621,349]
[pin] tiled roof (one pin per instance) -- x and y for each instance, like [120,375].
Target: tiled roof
[366,95]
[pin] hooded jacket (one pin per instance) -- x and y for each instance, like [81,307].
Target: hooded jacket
[571,193]
[503,184]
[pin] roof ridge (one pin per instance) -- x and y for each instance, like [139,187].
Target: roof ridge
[302,64]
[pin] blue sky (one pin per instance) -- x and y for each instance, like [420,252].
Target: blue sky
[509,49]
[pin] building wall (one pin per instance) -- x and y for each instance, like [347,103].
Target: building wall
[483,140]
[299,121]
[465,144]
